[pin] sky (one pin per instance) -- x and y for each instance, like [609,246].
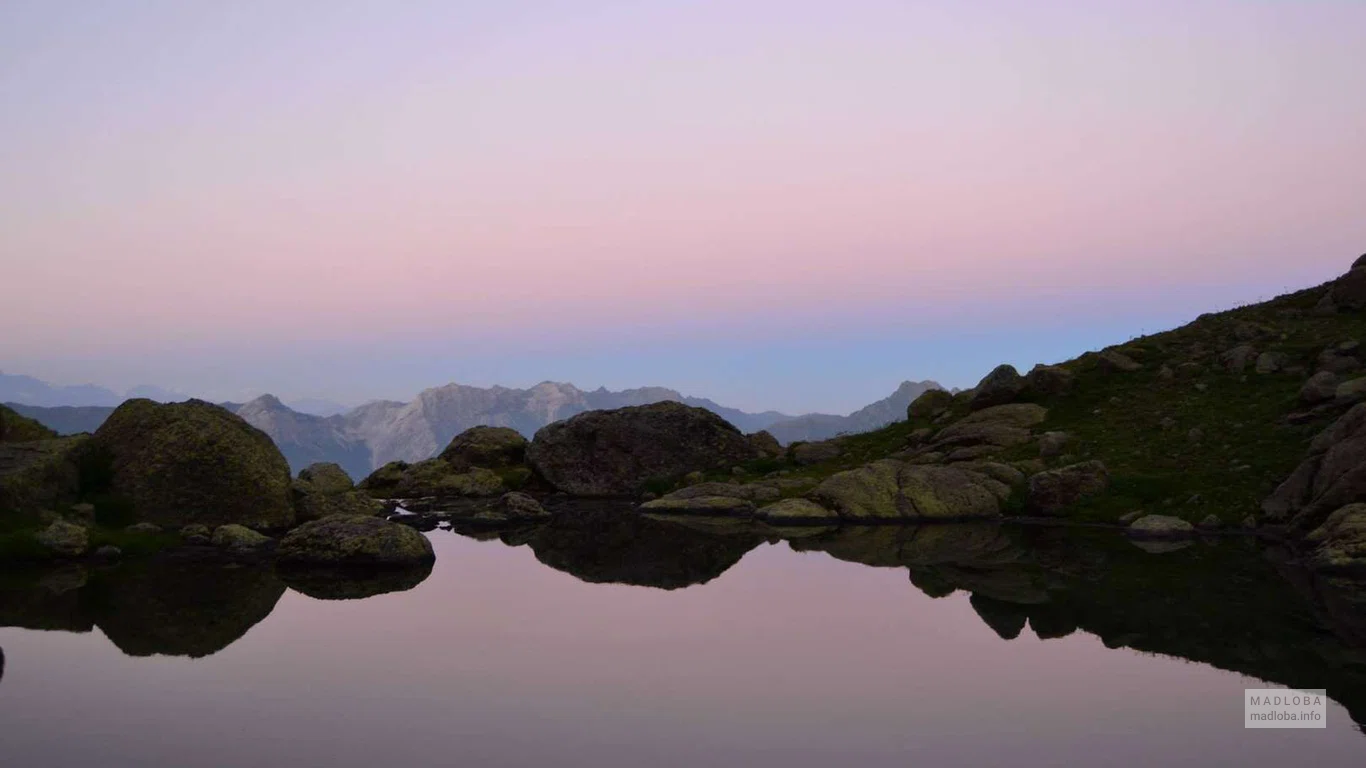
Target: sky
[773,203]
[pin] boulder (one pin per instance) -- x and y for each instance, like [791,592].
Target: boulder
[15,428]
[758,492]
[796,512]
[1114,361]
[1053,444]
[1320,388]
[724,506]
[324,477]
[486,447]
[1052,492]
[189,531]
[969,434]
[354,540]
[519,506]
[1352,391]
[1237,360]
[194,462]
[1340,542]
[65,539]
[1048,381]
[614,453]
[1001,386]
[1014,415]
[928,404]
[239,539]
[1331,476]
[1210,522]
[1160,527]
[40,474]
[1001,473]
[152,529]
[893,490]
[806,454]
[109,552]
[1349,291]
[766,445]
[433,477]
[1269,362]
[1336,361]
[383,482]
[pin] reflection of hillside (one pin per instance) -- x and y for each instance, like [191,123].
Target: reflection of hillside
[1228,604]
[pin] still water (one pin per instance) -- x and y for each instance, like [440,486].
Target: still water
[634,643]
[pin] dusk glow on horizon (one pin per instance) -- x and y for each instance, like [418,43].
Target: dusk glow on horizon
[790,205]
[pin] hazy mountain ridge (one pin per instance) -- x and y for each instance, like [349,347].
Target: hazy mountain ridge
[822,426]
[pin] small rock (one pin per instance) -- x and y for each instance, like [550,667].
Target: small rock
[1195,435]
[1237,360]
[1249,522]
[1053,443]
[1211,521]
[737,470]
[1321,387]
[1160,527]
[1129,517]
[238,538]
[1201,386]
[191,530]
[1269,362]
[693,478]
[1167,423]
[1166,373]
[65,539]
[152,529]
[109,552]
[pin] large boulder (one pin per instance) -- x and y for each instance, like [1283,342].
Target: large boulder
[1319,388]
[433,477]
[614,453]
[324,477]
[486,447]
[766,445]
[194,462]
[325,489]
[1340,542]
[1349,291]
[1332,475]
[1001,386]
[239,539]
[1052,492]
[64,539]
[41,474]
[805,454]
[892,490]
[928,404]
[1013,415]
[354,540]
[1048,380]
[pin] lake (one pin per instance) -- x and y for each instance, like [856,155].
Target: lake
[623,641]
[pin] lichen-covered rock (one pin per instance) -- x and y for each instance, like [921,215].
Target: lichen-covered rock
[1332,475]
[152,529]
[486,447]
[699,505]
[929,404]
[889,489]
[1048,380]
[65,539]
[1320,388]
[1340,542]
[960,435]
[520,506]
[757,492]
[40,474]
[1112,360]
[239,539]
[383,482]
[324,477]
[1001,386]
[765,444]
[1021,415]
[15,428]
[1159,527]
[1052,492]
[343,540]
[194,462]
[433,477]
[614,453]
[796,512]
[805,454]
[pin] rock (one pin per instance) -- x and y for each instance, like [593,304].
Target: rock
[324,477]
[1350,391]
[486,447]
[766,445]
[1129,517]
[614,453]
[999,435]
[1349,291]
[513,507]
[1334,361]
[1340,542]
[928,404]
[759,492]
[1013,415]
[693,478]
[806,454]
[932,457]
[185,533]
[1001,473]
[343,540]
[1029,467]
[316,506]
[1195,435]
[1250,522]
[194,462]
[1000,386]
[83,513]
[699,505]
[65,539]
[1166,373]
[1167,423]
[1111,360]
[384,481]
[1321,387]
[1048,381]
[1211,522]
[972,453]
[1160,546]
[1332,475]
[237,538]
[152,529]
[889,489]
[1269,362]
[1160,527]
[1237,360]
[519,506]
[1052,492]
[796,512]
[433,477]
[1053,443]
[109,552]
[40,474]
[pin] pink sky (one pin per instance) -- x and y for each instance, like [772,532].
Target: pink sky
[260,178]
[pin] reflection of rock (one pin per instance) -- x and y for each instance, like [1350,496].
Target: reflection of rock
[614,546]
[353,583]
[1161,546]
[2,664]
[48,600]
[1005,619]
[182,608]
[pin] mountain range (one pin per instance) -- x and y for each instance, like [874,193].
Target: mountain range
[373,434]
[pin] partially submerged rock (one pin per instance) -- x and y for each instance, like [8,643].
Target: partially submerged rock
[614,453]
[698,505]
[890,490]
[239,539]
[1052,492]
[194,462]
[1160,527]
[433,477]
[796,512]
[1340,542]
[343,540]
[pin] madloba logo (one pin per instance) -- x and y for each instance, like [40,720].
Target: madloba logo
[1278,708]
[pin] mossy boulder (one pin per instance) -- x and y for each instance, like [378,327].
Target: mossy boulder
[239,539]
[891,490]
[797,512]
[324,477]
[486,447]
[930,403]
[1339,544]
[325,489]
[1053,492]
[15,428]
[41,474]
[354,540]
[614,453]
[433,477]
[65,539]
[766,444]
[194,462]
[1001,386]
